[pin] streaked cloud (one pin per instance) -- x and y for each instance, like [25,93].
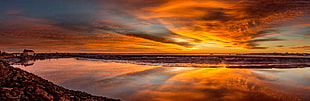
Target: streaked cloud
[165,25]
[14,12]
[306,47]
[233,23]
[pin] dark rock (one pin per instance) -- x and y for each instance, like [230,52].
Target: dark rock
[19,85]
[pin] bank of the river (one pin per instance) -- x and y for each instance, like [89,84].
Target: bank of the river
[17,84]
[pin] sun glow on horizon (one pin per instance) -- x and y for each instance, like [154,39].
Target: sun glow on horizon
[156,26]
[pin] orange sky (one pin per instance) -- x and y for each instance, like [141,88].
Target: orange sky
[165,26]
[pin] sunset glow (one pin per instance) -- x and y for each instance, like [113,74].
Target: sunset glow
[155,26]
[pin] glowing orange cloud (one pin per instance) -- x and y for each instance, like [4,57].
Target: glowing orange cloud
[231,23]
[156,26]
[43,35]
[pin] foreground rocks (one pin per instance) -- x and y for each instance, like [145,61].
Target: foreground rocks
[17,84]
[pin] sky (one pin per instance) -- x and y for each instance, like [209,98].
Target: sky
[155,26]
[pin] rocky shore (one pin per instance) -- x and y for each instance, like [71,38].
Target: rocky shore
[19,85]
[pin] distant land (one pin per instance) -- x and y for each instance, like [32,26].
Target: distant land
[213,60]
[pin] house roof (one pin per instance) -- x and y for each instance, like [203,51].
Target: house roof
[28,50]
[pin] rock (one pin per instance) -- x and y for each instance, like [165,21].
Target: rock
[17,84]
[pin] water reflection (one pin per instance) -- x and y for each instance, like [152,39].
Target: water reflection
[222,85]
[20,61]
[25,63]
[154,83]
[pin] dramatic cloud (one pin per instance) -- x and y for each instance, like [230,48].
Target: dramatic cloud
[165,25]
[232,23]
[160,34]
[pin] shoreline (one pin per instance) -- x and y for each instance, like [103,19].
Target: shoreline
[17,84]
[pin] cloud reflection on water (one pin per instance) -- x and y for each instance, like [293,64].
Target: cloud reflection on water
[153,83]
[222,84]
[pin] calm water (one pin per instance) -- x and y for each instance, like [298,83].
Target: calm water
[156,83]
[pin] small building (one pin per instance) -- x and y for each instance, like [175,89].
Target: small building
[28,52]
